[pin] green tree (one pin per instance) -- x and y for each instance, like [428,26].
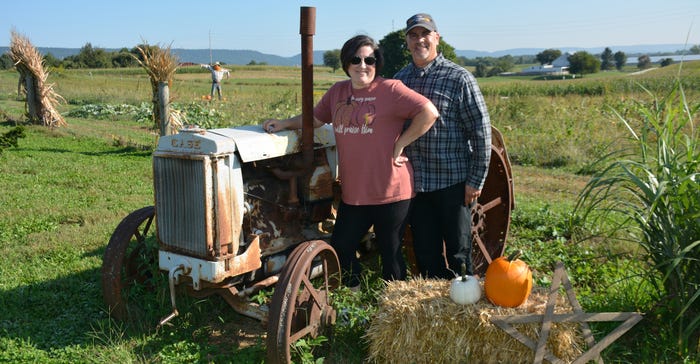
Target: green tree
[94,57]
[6,61]
[90,57]
[500,65]
[666,62]
[141,49]
[480,70]
[332,59]
[447,50]
[396,55]
[620,60]
[548,56]
[486,61]
[643,62]
[494,71]
[583,62]
[607,60]
[51,61]
[505,63]
[123,58]
[695,49]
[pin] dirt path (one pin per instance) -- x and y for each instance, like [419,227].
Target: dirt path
[642,71]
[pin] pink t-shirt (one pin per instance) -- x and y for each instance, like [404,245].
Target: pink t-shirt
[367,122]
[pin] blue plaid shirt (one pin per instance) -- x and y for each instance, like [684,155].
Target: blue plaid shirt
[458,146]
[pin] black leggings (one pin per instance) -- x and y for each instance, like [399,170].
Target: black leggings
[352,224]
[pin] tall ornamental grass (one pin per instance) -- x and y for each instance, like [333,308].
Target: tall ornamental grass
[648,191]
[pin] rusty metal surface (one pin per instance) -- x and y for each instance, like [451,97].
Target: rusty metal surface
[499,144]
[242,305]
[248,261]
[227,228]
[122,259]
[301,304]
[283,201]
[491,214]
[307,29]
[199,270]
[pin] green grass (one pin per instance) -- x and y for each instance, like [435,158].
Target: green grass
[65,190]
[53,215]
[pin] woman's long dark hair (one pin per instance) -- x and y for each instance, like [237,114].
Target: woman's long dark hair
[353,44]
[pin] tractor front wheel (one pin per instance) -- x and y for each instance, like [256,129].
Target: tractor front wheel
[128,261]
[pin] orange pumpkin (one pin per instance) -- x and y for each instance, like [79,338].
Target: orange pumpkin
[508,281]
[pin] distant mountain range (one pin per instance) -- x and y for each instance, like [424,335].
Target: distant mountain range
[225,56]
[633,50]
[243,57]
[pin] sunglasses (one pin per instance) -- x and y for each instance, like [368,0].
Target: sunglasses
[370,61]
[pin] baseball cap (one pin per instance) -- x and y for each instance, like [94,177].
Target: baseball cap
[421,20]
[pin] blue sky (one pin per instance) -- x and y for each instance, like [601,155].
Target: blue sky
[273,26]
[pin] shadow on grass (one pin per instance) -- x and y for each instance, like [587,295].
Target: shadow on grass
[126,151]
[66,317]
[52,314]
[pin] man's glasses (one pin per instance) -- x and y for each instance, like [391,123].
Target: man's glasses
[370,61]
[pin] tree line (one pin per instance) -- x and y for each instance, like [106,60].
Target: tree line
[396,56]
[90,57]
[395,53]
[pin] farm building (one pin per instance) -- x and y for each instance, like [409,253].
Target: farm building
[559,66]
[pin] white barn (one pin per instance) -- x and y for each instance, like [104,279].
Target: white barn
[559,66]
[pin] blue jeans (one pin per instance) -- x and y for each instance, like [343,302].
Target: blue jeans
[440,222]
[216,86]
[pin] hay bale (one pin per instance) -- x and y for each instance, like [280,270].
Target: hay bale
[417,322]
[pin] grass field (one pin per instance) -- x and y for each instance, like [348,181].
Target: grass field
[65,190]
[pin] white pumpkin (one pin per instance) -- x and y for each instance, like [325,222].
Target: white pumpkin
[465,290]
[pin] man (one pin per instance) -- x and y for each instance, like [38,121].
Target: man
[217,74]
[451,160]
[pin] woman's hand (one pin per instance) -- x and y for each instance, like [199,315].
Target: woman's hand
[272,125]
[293,123]
[399,158]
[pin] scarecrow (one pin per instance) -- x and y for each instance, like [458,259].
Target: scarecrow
[217,74]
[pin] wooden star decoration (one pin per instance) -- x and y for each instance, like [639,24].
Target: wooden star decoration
[629,319]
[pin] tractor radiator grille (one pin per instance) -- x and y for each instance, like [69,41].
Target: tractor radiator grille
[182,211]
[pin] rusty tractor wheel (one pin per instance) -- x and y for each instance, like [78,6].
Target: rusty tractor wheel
[301,302]
[491,213]
[128,260]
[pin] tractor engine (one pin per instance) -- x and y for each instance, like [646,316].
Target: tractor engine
[236,200]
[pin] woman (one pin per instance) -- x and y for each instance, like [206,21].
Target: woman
[368,114]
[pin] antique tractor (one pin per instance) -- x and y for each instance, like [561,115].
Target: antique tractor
[238,210]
